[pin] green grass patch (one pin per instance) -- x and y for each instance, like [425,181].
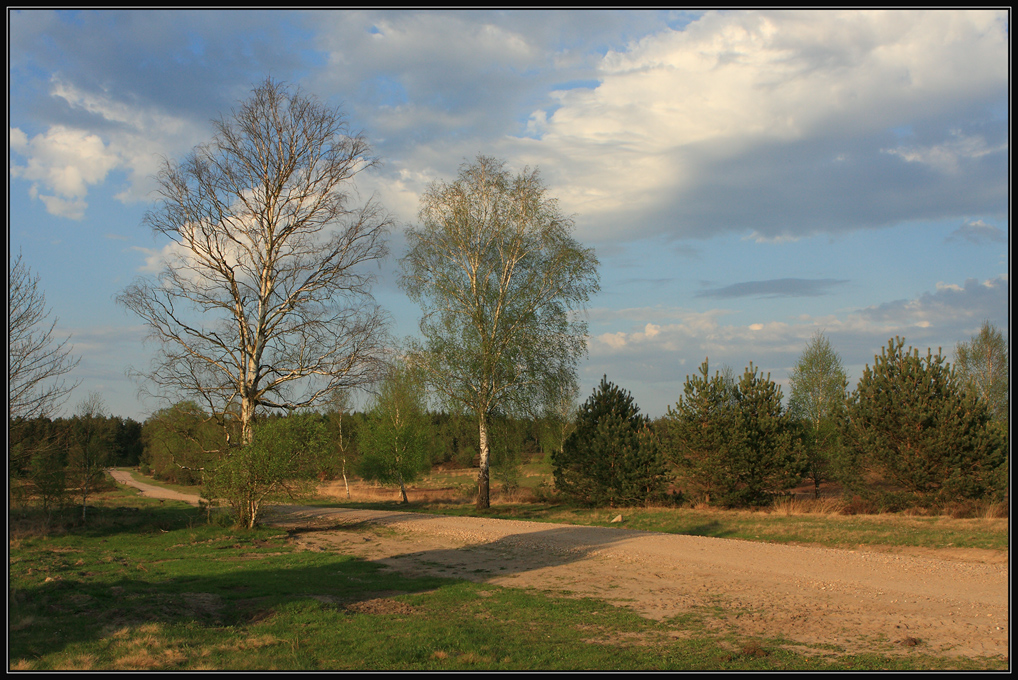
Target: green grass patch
[150,587]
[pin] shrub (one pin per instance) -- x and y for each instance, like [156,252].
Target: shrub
[283,461]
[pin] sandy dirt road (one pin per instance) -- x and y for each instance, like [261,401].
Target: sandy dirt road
[854,600]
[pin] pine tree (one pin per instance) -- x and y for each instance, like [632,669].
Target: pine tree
[733,444]
[700,434]
[612,458]
[769,456]
[912,422]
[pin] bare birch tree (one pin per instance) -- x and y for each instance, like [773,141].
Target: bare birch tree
[499,277]
[36,361]
[264,298]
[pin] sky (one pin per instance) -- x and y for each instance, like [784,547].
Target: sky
[747,178]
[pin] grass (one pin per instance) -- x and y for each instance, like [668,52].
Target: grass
[148,586]
[788,521]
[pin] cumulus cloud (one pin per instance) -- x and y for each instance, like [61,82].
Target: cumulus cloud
[948,156]
[665,344]
[60,165]
[776,122]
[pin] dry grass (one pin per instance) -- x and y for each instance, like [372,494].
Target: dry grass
[791,506]
[366,492]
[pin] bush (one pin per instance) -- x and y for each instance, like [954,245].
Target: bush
[283,461]
[612,458]
[914,425]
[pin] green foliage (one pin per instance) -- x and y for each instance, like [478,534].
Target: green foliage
[396,443]
[506,442]
[282,461]
[613,457]
[982,365]
[700,436]
[180,442]
[914,425]
[497,274]
[733,444]
[819,391]
[770,460]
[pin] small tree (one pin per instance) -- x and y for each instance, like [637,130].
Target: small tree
[700,433]
[982,364]
[819,390]
[396,446]
[612,458]
[913,423]
[768,460]
[733,444]
[558,419]
[181,443]
[282,461]
[90,449]
[339,408]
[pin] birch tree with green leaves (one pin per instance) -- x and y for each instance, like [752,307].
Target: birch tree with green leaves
[396,442]
[819,392]
[982,363]
[500,280]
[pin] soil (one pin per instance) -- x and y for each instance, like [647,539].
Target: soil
[941,602]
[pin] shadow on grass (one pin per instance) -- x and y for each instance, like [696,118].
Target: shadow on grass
[80,592]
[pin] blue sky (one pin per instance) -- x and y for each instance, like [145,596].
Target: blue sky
[746,178]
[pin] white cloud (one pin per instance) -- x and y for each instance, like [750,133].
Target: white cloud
[977,231]
[61,164]
[676,102]
[652,359]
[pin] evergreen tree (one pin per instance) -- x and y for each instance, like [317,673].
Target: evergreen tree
[913,423]
[768,459]
[700,435]
[733,444]
[612,458]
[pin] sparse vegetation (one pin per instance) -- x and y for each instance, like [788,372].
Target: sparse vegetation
[149,586]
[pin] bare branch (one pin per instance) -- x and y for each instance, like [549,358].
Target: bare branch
[266,299]
[36,362]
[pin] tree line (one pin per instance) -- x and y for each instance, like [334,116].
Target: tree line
[262,313]
[916,431]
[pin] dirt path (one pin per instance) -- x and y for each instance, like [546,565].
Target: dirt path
[853,600]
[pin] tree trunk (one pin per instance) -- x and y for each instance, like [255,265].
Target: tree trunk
[347,483]
[483,496]
[247,408]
